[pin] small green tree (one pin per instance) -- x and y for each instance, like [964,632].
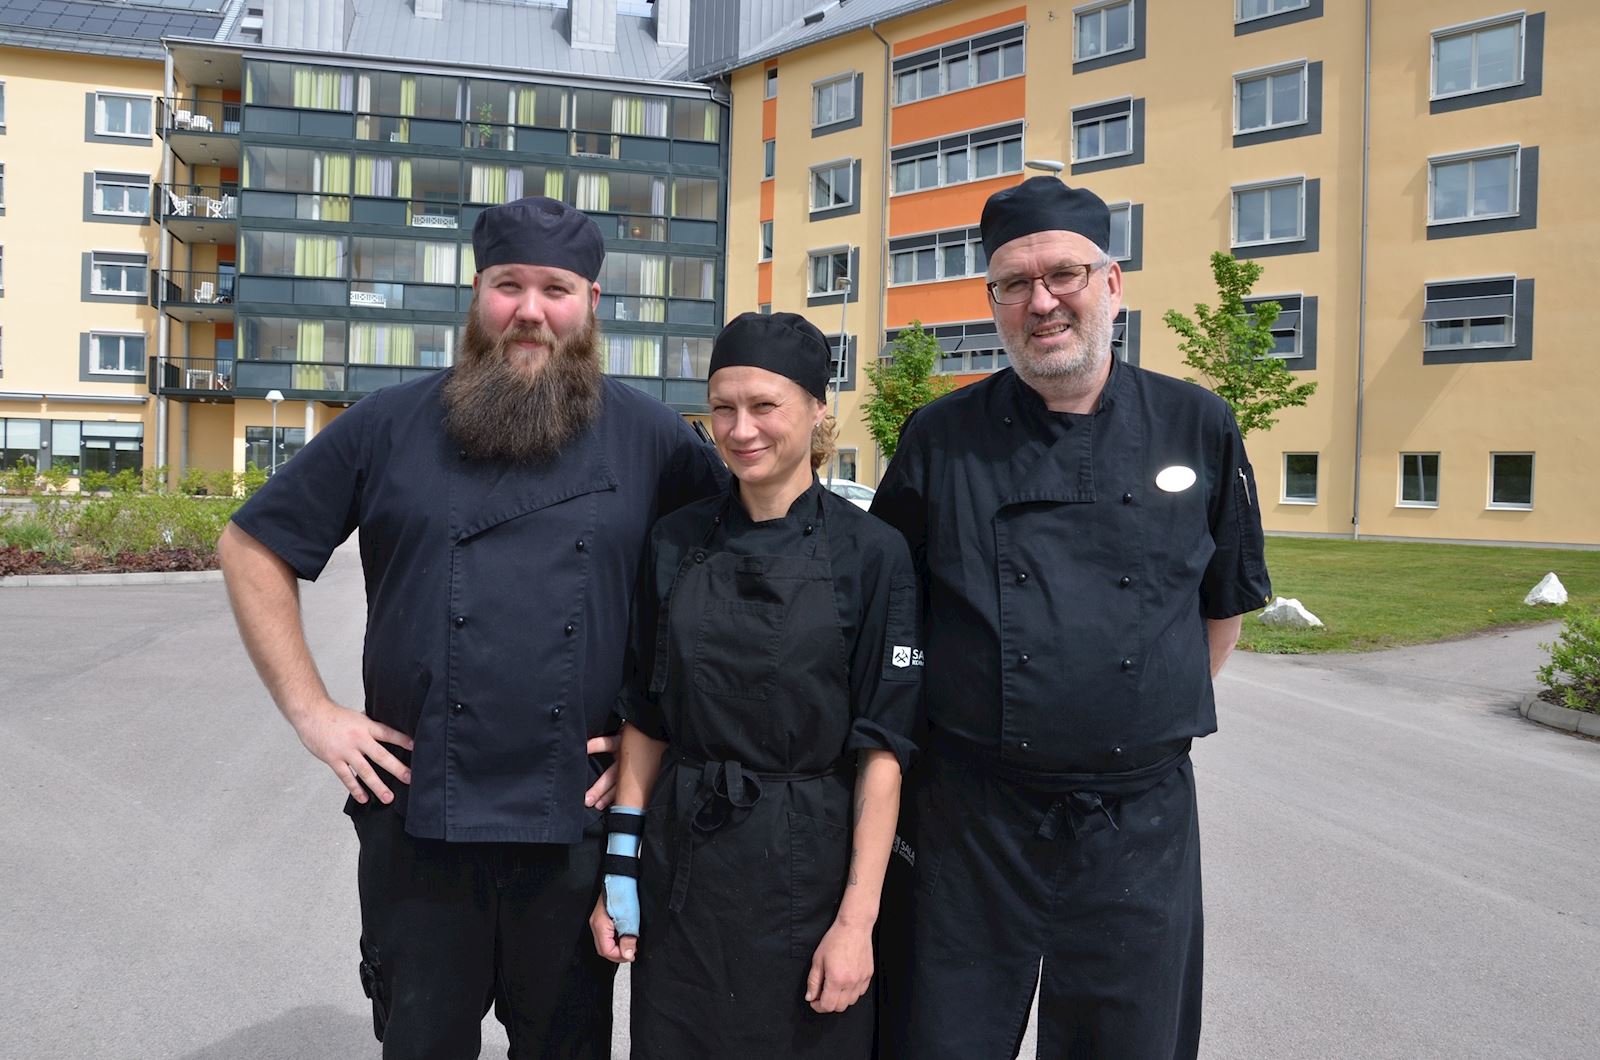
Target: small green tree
[1231,347]
[1574,666]
[902,386]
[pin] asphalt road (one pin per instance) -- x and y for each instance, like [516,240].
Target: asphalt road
[1396,864]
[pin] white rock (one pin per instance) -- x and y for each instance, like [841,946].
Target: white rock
[1289,614]
[1548,591]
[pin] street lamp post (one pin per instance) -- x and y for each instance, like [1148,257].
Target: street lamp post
[1046,165]
[273,398]
[843,285]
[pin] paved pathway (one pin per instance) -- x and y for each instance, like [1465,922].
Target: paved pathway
[1396,864]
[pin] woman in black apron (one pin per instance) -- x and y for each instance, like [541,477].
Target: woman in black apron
[775,673]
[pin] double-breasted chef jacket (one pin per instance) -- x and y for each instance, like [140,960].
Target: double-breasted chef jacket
[1068,573]
[498,595]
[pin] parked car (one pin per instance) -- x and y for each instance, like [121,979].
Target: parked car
[854,492]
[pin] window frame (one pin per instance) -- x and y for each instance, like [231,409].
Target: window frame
[101,95]
[1100,7]
[111,179]
[1474,27]
[1299,328]
[848,165]
[935,151]
[968,242]
[966,50]
[1512,150]
[1124,208]
[1239,18]
[2,104]
[764,242]
[830,252]
[1266,73]
[1507,506]
[122,336]
[1510,318]
[769,159]
[769,87]
[1283,488]
[1400,485]
[141,268]
[1101,120]
[846,82]
[1266,185]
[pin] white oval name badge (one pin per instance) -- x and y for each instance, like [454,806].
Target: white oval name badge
[1175,479]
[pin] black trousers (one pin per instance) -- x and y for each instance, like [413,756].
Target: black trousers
[449,929]
[1094,902]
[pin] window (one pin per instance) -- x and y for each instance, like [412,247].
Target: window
[833,101]
[19,443]
[1469,314]
[116,115]
[766,241]
[958,66]
[2,104]
[1419,480]
[769,159]
[2,185]
[1299,478]
[1478,57]
[116,353]
[1102,131]
[965,348]
[1270,99]
[1245,10]
[1511,480]
[840,369]
[945,255]
[1286,329]
[258,447]
[1102,29]
[1121,248]
[117,274]
[1473,187]
[1269,213]
[831,185]
[2,269]
[956,159]
[771,91]
[847,470]
[121,195]
[829,271]
[695,197]
[765,309]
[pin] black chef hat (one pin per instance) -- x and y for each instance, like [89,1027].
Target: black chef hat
[785,343]
[538,231]
[1044,204]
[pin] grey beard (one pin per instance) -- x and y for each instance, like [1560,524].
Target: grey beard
[496,412]
[1093,340]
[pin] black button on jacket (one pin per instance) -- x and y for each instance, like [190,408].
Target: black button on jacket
[1065,593]
[501,704]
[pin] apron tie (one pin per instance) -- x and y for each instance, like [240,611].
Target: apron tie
[1078,808]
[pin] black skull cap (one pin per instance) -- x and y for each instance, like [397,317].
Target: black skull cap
[538,231]
[785,343]
[1044,204]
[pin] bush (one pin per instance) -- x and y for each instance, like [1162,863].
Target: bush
[194,482]
[93,482]
[1574,666]
[21,478]
[27,532]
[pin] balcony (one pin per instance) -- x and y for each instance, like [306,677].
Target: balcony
[201,132]
[201,379]
[198,213]
[196,297]
[330,381]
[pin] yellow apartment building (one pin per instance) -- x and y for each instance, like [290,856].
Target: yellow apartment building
[1389,170]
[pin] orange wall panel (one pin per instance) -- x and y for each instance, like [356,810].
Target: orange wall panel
[764,283]
[940,208]
[991,104]
[965,29]
[937,303]
[769,118]
[768,190]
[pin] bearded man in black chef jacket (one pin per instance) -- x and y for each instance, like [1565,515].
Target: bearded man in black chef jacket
[503,506]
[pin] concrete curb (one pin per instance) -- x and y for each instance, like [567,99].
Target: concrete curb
[67,581]
[1580,721]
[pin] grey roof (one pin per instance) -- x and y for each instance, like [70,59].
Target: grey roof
[767,28]
[103,27]
[472,33]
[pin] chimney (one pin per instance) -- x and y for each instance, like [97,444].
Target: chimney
[592,24]
[433,9]
[672,23]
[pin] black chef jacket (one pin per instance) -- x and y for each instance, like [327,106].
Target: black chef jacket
[1064,592]
[874,593]
[497,596]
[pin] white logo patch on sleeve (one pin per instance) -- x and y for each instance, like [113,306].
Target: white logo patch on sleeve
[903,656]
[1175,479]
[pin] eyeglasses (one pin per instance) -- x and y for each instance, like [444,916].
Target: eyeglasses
[1069,279]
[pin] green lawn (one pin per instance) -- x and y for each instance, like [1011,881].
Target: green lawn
[1379,594]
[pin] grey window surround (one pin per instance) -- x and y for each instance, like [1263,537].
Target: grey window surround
[1307,313]
[1134,157]
[1521,330]
[86,372]
[89,294]
[108,218]
[836,298]
[1525,219]
[1312,126]
[1130,322]
[1282,18]
[1135,259]
[1532,74]
[933,241]
[970,46]
[1310,240]
[1100,62]
[851,207]
[849,380]
[973,336]
[89,134]
[852,122]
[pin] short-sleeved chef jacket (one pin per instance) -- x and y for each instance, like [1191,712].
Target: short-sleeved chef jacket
[497,595]
[1061,584]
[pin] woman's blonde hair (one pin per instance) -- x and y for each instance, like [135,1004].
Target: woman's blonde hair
[823,442]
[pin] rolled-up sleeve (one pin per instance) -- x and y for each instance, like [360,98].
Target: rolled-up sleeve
[1235,581]
[886,663]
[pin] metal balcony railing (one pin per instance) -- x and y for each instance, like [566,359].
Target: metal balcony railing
[187,287]
[191,375]
[199,116]
[196,202]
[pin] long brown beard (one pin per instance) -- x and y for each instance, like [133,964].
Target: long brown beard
[496,410]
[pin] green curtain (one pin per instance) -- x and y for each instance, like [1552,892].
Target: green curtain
[317,256]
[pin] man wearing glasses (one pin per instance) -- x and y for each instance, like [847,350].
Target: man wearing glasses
[1088,538]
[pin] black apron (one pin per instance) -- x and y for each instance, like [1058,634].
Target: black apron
[747,834]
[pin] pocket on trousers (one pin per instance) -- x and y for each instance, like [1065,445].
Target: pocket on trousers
[819,858]
[736,648]
[372,984]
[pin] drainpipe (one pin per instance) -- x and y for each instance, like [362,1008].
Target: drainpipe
[883,215]
[164,257]
[1361,318]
